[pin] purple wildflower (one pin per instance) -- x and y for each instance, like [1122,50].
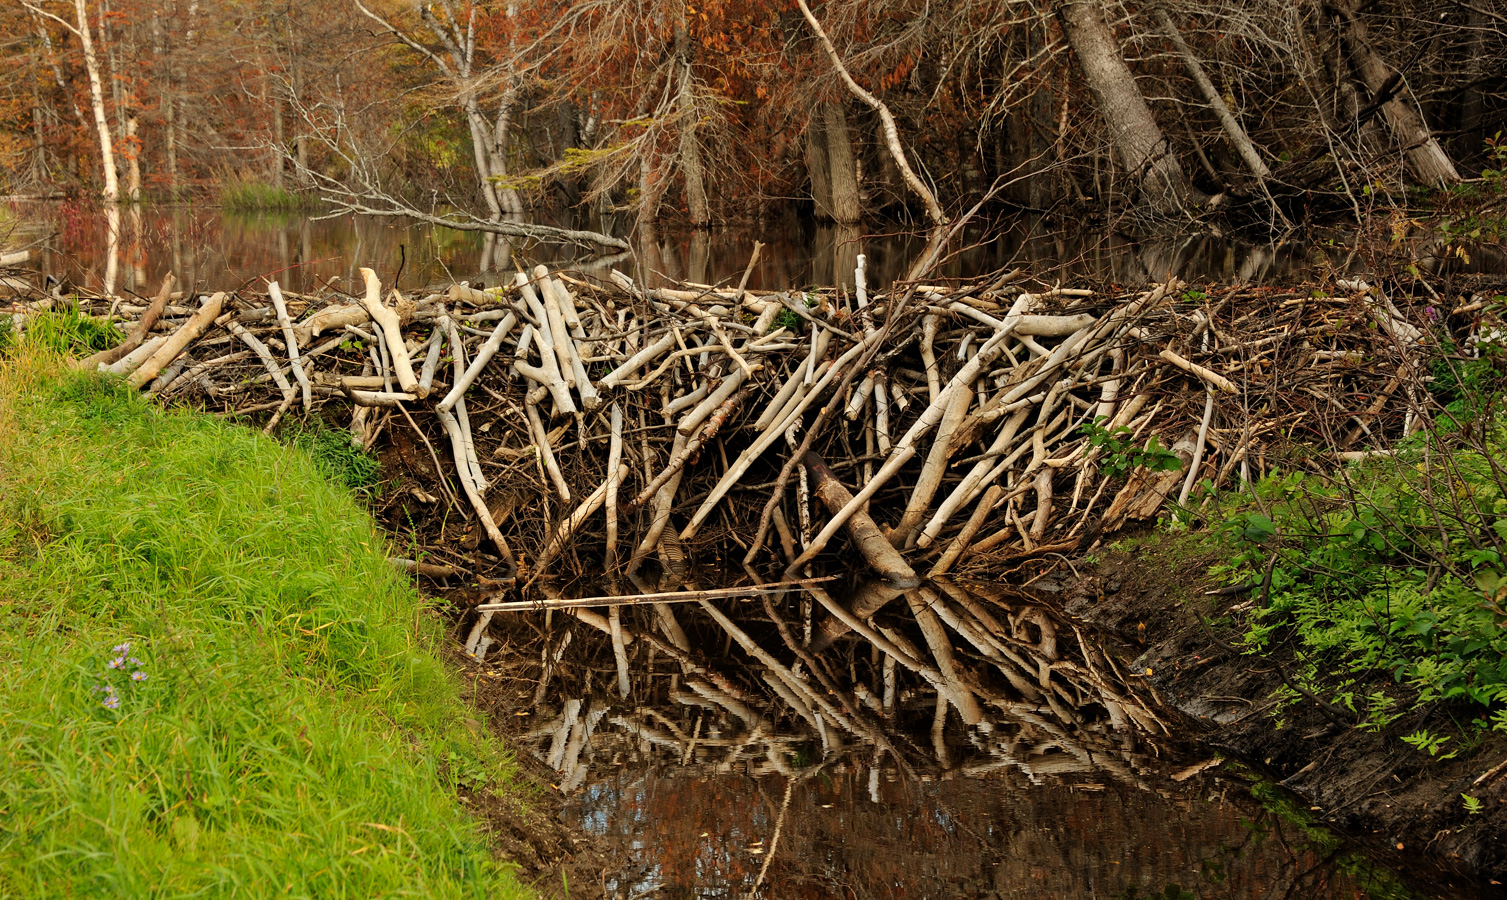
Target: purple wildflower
[117,663]
[138,675]
[112,700]
[121,649]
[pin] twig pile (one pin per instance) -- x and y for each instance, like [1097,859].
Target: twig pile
[969,422]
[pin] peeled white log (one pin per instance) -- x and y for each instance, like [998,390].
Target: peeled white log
[960,495]
[934,468]
[549,360]
[693,419]
[463,472]
[383,399]
[392,334]
[575,520]
[436,348]
[275,293]
[555,303]
[638,361]
[1209,376]
[559,338]
[130,361]
[614,479]
[768,437]
[546,452]
[483,356]
[186,334]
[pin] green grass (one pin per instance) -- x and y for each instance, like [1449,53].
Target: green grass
[239,193]
[295,733]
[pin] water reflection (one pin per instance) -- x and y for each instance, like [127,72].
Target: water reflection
[738,762]
[217,249]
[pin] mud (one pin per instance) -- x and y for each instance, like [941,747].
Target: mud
[1405,806]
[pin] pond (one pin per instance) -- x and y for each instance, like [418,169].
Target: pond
[216,249]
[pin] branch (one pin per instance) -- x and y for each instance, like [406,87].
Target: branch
[891,131]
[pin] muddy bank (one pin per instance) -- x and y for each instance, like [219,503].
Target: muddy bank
[1394,798]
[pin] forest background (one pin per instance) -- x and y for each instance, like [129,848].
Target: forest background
[1269,113]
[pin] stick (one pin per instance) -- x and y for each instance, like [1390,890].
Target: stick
[614,479]
[574,521]
[1213,378]
[877,550]
[483,356]
[970,530]
[274,292]
[546,452]
[175,345]
[463,470]
[392,333]
[138,334]
[655,597]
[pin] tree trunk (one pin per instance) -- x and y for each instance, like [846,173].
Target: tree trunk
[1137,139]
[846,208]
[111,192]
[1427,159]
[818,169]
[1232,130]
[690,153]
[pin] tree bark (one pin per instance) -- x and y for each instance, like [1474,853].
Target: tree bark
[1138,140]
[690,153]
[1232,130]
[818,168]
[846,209]
[1425,157]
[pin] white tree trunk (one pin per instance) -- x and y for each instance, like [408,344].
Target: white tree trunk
[1138,140]
[111,193]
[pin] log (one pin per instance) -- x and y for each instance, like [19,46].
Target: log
[392,334]
[877,551]
[175,345]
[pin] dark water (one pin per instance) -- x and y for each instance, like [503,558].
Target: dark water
[712,778]
[218,250]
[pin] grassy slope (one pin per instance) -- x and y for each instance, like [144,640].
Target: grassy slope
[295,734]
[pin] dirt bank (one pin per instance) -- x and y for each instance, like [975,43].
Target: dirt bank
[1150,595]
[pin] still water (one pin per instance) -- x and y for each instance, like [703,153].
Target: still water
[218,250]
[1031,766]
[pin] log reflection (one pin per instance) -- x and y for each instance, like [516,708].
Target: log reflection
[963,740]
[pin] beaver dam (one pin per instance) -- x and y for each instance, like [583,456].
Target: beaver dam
[765,534]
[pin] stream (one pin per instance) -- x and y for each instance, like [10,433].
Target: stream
[716,756]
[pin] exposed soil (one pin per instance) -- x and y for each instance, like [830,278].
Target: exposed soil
[1369,784]
[554,858]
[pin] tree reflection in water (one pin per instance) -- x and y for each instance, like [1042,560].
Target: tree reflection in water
[744,765]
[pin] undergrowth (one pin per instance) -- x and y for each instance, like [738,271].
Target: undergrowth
[241,193]
[1388,577]
[215,684]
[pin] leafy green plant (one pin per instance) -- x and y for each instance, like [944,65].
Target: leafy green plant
[1118,456]
[1427,742]
[339,457]
[1473,805]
